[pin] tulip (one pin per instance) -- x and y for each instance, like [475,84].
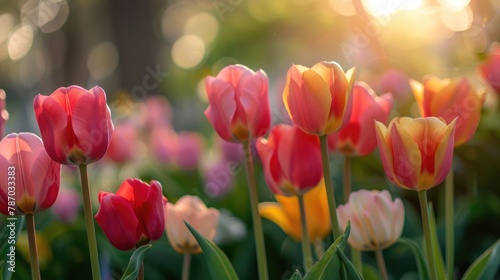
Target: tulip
[189,149]
[67,205]
[75,124]
[318,99]
[285,213]
[490,68]
[124,145]
[376,220]
[358,136]
[31,177]
[416,153]
[192,210]
[156,112]
[291,160]
[4,115]
[133,216]
[238,103]
[396,83]
[449,99]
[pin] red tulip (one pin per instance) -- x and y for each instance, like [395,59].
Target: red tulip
[291,160]
[134,215]
[29,175]
[75,124]
[318,99]
[490,68]
[416,153]
[358,137]
[450,99]
[239,103]
[4,115]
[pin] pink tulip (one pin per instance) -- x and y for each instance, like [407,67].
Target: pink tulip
[156,112]
[192,210]
[134,215]
[125,144]
[75,124]
[67,205]
[189,149]
[376,220]
[4,115]
[490,68]
[358,137]
[397,84]
[30,179]
[318,99]
[238,103]
[291,160]
[450,99]
[416,153]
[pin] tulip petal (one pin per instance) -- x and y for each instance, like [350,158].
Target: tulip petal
[119,222]
[407,158]
[152,212]
[220,112]
[256,106]
[133,190]
[275,213]
[175,228]
[444,154]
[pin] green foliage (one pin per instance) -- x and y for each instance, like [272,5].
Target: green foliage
[135,263]
[423,269]
[486,266]
[219,264]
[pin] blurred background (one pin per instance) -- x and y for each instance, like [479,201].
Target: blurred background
[151,58]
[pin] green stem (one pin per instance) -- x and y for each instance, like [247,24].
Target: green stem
[329,186]
[186,266]
[381,264]
[355,254]
[306,245]
[422,197]
[141,272]
[89,223]
[257,223]
[35,268]
[450,236]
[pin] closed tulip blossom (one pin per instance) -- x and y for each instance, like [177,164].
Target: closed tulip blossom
[125,144]
[376,220]
[238,103]
[30,175]
[416,153]
[449,99]
[75,124]
[285,213]
[357,138]
[134,216]
[192,210]
[490,68]
[4,115]
[291,160]
[318,99]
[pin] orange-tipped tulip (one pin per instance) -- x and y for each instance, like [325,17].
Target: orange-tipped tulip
[238,103]
[449,99]
[358,137]
[4,115]
[29,176]
[291,160]
[133,216]
[75,124]
[376,220]
[318,99]
[285,213]
[416,153]
[490,68]
[192,210]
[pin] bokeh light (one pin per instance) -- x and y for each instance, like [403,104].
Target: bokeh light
[20,42]
[204,25]
[102,60]
[188,51]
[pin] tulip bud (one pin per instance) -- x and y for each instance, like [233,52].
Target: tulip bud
[192,210]
[376,220]
[30,176]
[75,124]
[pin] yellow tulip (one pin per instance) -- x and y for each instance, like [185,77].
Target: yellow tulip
[285,213]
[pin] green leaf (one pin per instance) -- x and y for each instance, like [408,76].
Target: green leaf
[486,266]
[351,271]
[218,263]
[370,273]
[438,256]
[328,267]
[296,275]
[423,269]
[134,265]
